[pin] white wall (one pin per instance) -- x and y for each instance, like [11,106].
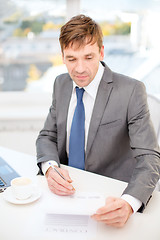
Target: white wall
[22,116]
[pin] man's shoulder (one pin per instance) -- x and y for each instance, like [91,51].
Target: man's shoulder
[122,82]
[121,79]
[124,78]
[62,79]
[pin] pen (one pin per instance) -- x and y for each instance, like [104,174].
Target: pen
[59,173]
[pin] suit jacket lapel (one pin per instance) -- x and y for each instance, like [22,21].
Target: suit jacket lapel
[101,101]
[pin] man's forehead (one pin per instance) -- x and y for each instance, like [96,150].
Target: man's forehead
[75,46]
[82,41]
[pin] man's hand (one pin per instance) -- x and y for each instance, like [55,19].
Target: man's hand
[115,213]
[57,184]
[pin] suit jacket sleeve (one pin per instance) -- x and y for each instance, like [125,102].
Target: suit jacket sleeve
[144,146]
[46,143]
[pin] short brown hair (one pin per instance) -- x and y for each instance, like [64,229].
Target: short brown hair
[80,29]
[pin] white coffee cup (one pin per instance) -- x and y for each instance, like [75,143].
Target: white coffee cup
[22,187]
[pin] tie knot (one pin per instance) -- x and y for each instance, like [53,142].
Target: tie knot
[79,92]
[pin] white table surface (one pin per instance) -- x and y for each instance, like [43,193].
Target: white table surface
[22,222]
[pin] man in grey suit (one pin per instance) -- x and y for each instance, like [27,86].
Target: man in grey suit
[119,137]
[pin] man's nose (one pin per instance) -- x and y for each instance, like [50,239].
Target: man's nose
[80,67]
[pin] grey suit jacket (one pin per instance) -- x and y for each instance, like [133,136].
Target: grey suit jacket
[121,140]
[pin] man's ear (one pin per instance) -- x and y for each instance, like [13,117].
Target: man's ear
[63,57]
[102,53]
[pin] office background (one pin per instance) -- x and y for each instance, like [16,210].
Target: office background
[30,57]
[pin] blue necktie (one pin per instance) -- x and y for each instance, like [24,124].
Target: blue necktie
[77,134]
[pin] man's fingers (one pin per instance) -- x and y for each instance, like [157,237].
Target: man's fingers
[65,174]
[115,212]
[103,218]
[57,184]
[115,222]
[59,180]
[61,192]
[110,215]
[111,205]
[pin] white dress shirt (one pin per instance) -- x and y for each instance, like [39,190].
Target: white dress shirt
[89,97]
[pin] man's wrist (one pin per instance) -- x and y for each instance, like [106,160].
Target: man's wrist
[46,165]
[132,201]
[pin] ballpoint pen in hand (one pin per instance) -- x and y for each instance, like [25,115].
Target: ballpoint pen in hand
[59,173]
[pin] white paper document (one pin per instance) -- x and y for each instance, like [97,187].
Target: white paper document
[80,226]
[70,215]
[81,203]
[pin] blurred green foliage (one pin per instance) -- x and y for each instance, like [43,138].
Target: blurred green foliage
[37,26]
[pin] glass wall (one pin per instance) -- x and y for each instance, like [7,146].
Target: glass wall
[29,48]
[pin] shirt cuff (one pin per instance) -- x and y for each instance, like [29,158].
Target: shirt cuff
[133,202]
[46,165]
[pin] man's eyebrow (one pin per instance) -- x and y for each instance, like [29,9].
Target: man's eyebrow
[86,55]
[70,56]
[90,54]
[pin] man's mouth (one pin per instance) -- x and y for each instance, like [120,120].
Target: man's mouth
[81,77]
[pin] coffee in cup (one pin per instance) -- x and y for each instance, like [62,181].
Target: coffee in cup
[22,187]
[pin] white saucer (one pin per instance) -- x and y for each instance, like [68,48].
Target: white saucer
[8,196]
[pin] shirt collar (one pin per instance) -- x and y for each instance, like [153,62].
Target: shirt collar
[92,88]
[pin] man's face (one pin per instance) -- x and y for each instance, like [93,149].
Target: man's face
[82,62]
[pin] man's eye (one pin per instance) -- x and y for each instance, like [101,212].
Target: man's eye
[89,58]
[71,60]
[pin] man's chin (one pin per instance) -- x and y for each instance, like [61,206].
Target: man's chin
[82,83]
